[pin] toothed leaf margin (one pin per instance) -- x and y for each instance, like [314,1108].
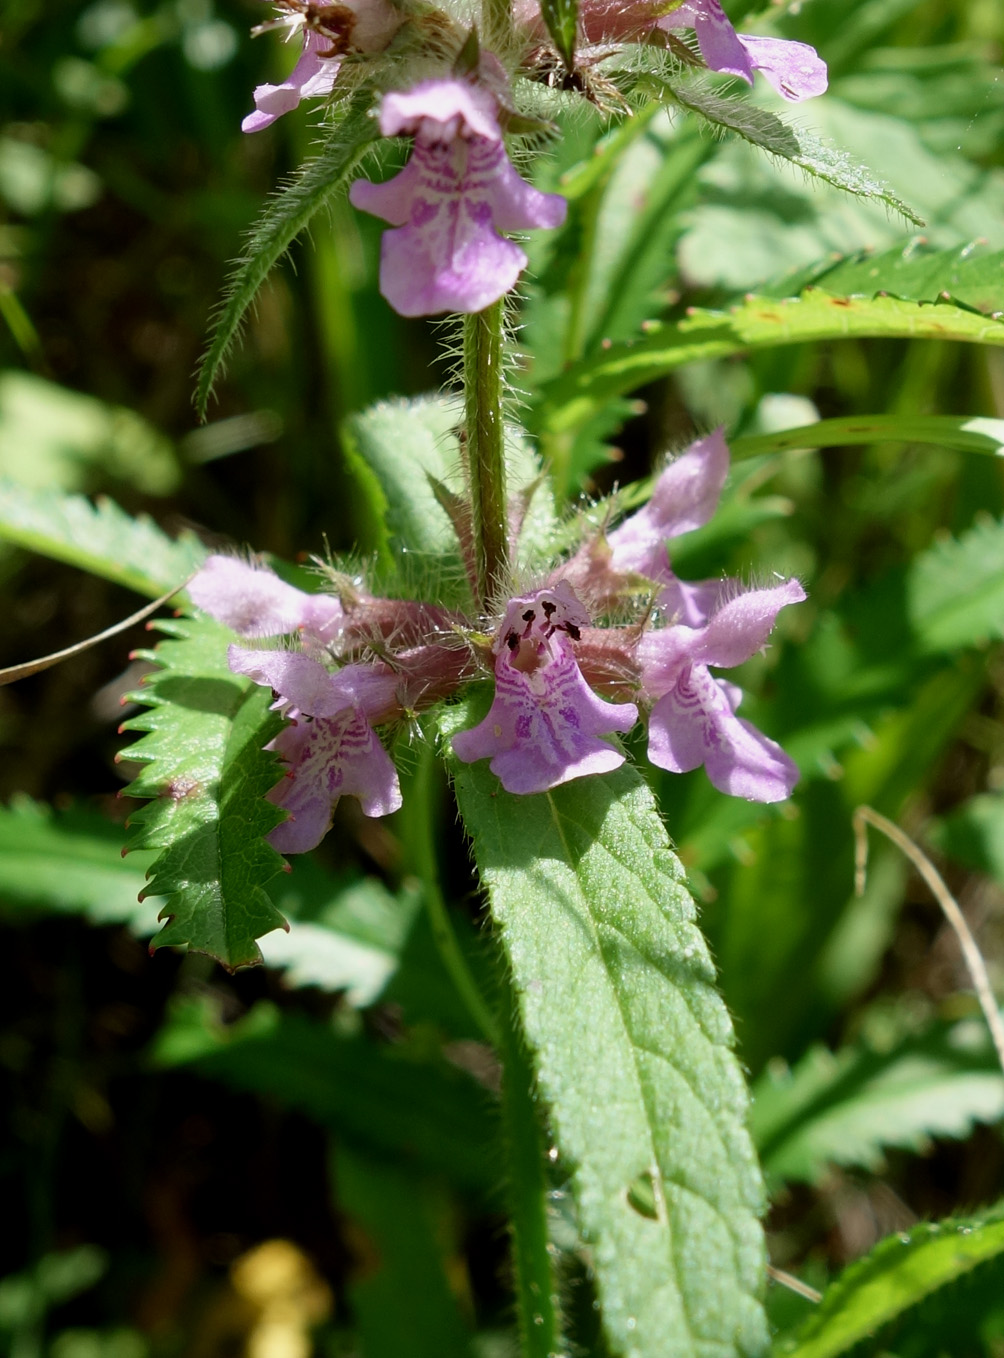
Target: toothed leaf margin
[206,775]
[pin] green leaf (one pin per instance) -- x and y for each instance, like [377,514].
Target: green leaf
[755,323]
[206,775]
[967,434]
[405,1102]
[632,1048]
[969,275]
[70,862]
[955,590]
[844,1108]
[99,537]
[561,17]
[393,448]
[354,944]
[898,1274]
[790,142]
[51,436]
[287,214]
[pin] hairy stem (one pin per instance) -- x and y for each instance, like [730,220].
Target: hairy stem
[486,448]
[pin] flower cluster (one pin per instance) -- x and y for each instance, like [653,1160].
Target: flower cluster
[459,192]
[562,684]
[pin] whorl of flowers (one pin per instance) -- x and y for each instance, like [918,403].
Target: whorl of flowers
[458,195]
[563,684]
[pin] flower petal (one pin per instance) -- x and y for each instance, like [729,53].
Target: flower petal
[720,45]
[256,603]
[312,77]
[330,758]
[794,69]
[685,497]
[544,728]
[694,723]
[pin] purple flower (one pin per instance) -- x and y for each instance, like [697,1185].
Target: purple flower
[685,497]
[312,77]
[693,721]
[335,27]
[545,723]
[793,68]
[330,746]
[449,203]
[254,602]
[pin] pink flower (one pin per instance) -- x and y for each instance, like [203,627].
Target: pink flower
[693,720]
[545,723]
[254,602]
[312,77]
[793,68]
[330,746]
[685,497]
[336,27]
[450,202]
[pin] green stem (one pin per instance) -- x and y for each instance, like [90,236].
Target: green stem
[486,448]
[421,835]
[536,1291]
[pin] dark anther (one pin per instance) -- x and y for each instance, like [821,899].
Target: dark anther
[512,641]
[548,607]
[572,631]
[529,615]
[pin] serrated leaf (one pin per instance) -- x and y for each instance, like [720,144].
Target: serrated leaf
[632,1048]
[286,215]
[561,18]
[790,142]
[755,323]
[410,1104]
[206,775]
[98,537]
[968,274]
[897,1275]
[846,1108]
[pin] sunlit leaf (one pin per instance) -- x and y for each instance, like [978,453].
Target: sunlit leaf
[755,323]
[632,1050]
[846,1108]
[206,775]
[97,537]
[789,141]
[900,1273]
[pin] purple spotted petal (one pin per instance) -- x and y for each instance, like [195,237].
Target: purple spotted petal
[695,723]
[685,497]
[312,77]
[329,758]
[544,728]
[256,603]
[449,203]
